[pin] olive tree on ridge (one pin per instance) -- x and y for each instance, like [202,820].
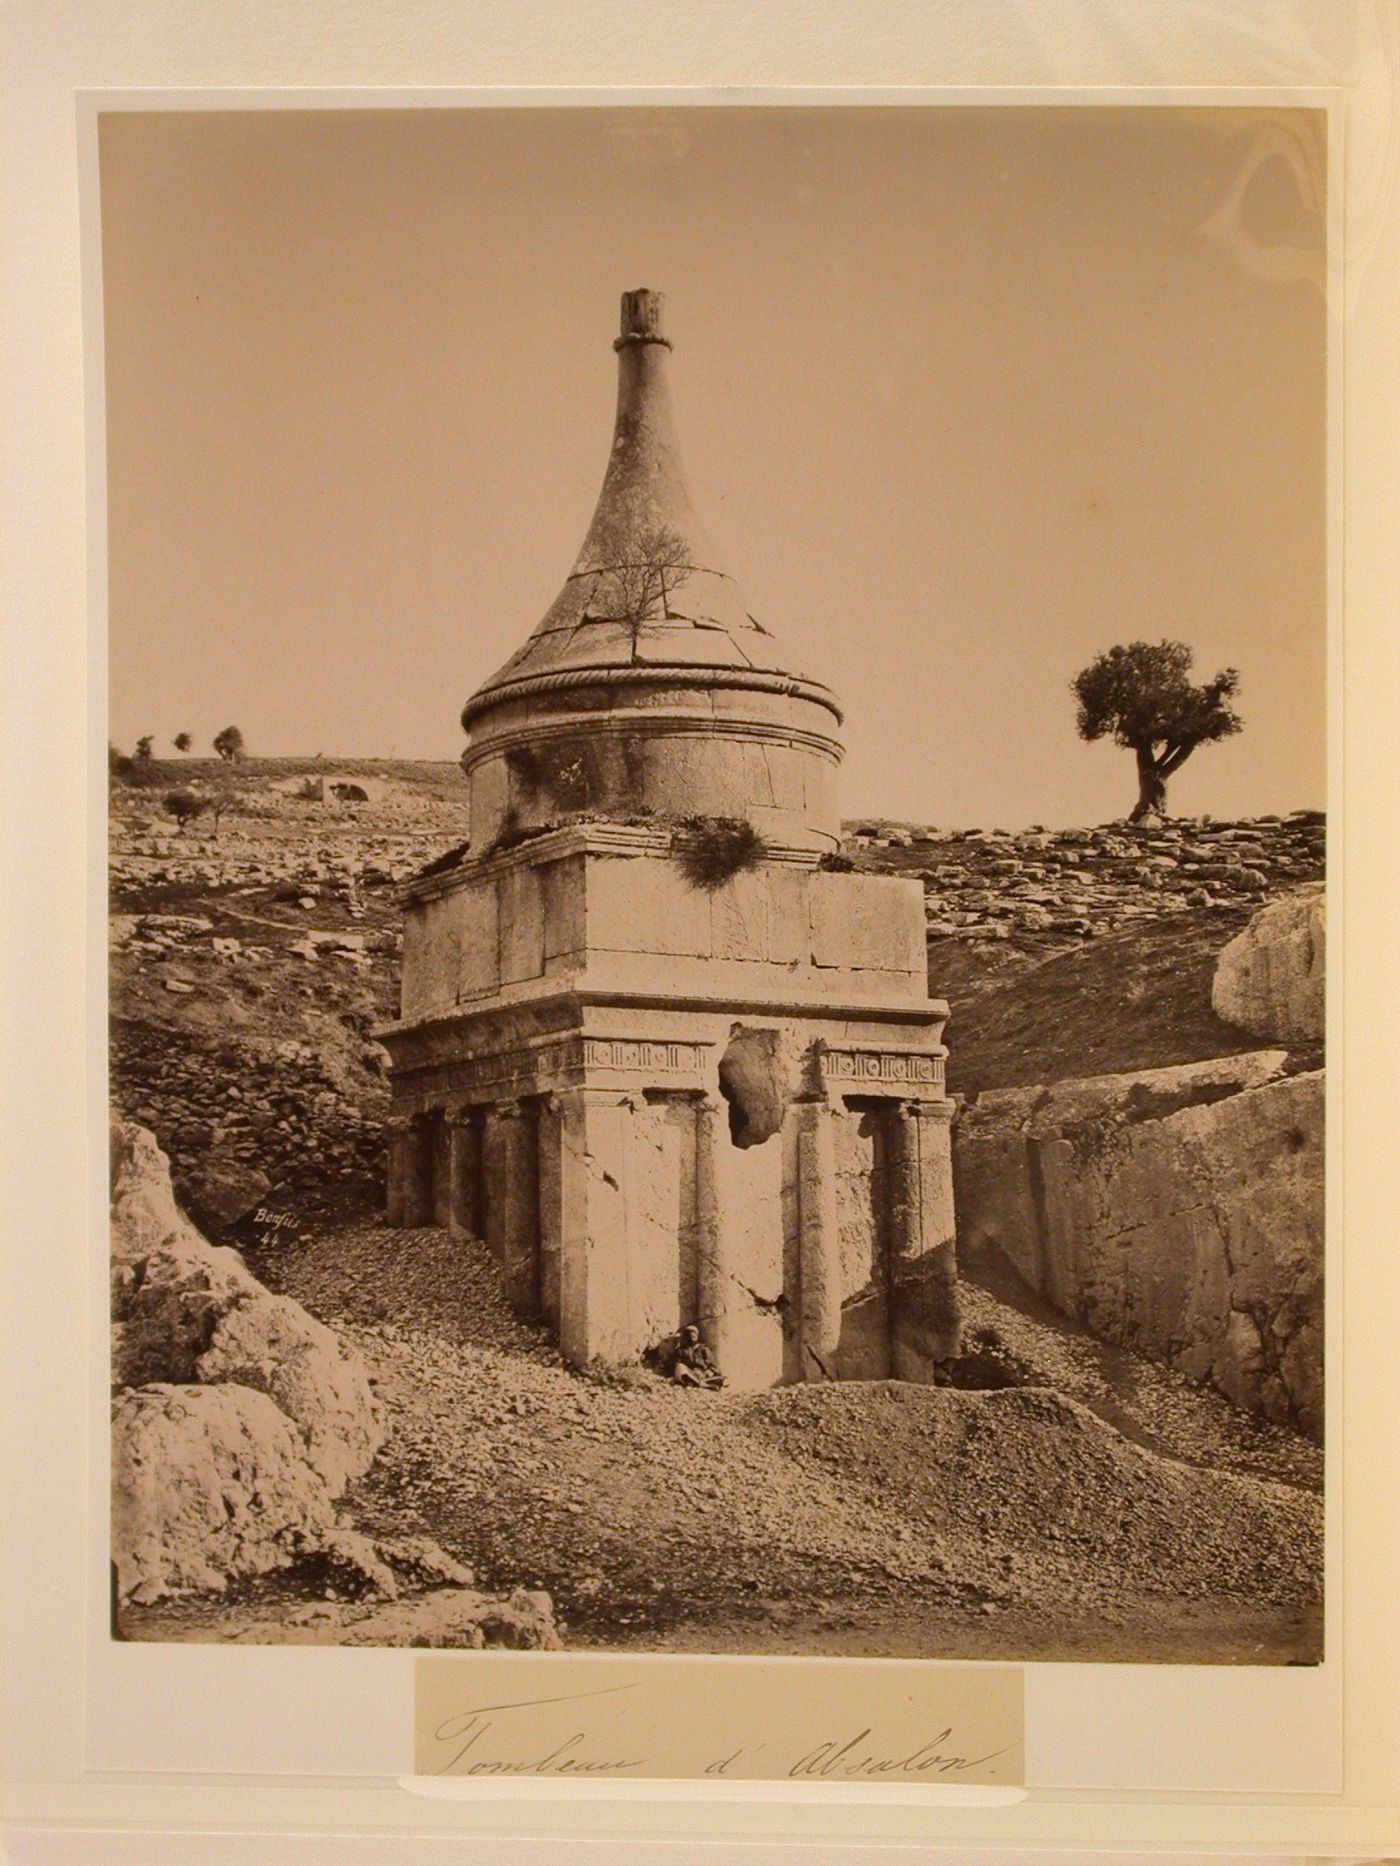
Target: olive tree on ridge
[1140,695]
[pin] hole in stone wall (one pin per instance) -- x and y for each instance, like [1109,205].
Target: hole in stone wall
[751,1080]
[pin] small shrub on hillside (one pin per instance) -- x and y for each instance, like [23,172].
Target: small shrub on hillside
[184,806]
[229,743]
[182,741]
[118,763]
[711,850]
[143,748]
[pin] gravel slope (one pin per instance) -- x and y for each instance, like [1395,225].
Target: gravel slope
[859,1517]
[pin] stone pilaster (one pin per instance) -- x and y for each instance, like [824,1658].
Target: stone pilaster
[463,1173]
[595,1136]
[923,1263]
[711,1125]
[494,1167]
[440,1143]
[818,1270]
[397,1168]
[551,1211]
[417,1176]
[511,1175]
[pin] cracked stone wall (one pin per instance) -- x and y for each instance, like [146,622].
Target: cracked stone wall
[662,1266]
[1177,1211]
[747,1296]
[864,1350]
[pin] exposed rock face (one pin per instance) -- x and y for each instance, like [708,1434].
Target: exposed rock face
[270,1343]
[224,1189]
[209,1487]
[1270,980]
[208,1484]
[1178,1211]
[168,1304]
[457,1617]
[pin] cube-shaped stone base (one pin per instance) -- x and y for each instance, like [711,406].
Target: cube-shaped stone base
[650,1132]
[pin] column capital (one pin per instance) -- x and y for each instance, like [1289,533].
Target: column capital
[811,1107]
[594,1095]
[941,1110]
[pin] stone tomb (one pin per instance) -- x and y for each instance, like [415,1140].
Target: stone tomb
[668,1089]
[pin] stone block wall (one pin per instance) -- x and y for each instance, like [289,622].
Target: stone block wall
[670,750]
[613,908]
[1178,1211]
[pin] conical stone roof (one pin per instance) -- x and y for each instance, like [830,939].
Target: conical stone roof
[647,601]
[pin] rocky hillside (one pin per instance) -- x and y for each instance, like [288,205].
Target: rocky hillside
[1065,1496]
[1087,951]
[252,958]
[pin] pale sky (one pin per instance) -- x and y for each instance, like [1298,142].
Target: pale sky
[967,395]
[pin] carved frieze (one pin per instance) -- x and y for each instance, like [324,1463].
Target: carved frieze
[883,1068]
[637,1054]
[542,1066]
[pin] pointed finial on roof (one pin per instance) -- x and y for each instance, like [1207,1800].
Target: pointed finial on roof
[641,319]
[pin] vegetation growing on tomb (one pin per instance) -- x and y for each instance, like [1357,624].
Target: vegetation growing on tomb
[834,862]
[451,858]
[560,771]
[713,849]
[635,588]
[1140,696]
[229,743]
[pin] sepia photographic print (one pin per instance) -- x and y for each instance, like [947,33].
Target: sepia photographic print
[717,855]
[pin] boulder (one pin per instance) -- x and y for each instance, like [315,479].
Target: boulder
[420,1562]
[450,1617]
[1270,979]
[272,1344]
[170,1302]
[223,1189]
[208,1484]
[187,1310]
[143,1203]
[348,1565]
[1167,1211]
[453,1617]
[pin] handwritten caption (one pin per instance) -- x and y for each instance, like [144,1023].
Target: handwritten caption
[666,1718]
